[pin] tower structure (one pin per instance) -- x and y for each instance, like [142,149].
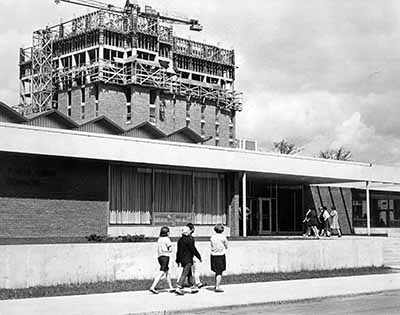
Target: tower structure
[126,64]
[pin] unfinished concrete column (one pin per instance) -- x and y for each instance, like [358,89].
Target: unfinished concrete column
[234,205]
[367,185]
[244,197]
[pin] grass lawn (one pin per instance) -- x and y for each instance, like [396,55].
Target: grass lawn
[138,285]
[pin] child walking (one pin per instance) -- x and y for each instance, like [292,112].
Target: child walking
[184,257]
[194,276]
[324,218]
[335,222]
[219,245]
[312,220]
[164,250]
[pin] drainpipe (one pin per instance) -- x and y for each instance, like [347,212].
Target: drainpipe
[367,185]
[244,197]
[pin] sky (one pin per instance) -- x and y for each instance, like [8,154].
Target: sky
[321,74]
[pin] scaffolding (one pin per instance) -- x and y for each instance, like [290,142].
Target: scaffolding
[124,49]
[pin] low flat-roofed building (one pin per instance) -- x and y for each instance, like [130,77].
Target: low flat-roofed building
[62,182]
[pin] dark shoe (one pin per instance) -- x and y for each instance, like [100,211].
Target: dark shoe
[154,291]
[201,285]
[171,291]
[194,289]
[219,290]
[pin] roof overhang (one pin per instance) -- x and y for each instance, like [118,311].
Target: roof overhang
[75,144]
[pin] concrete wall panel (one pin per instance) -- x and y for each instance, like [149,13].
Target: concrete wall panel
[27,265]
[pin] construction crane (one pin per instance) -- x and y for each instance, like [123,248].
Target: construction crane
[130,7]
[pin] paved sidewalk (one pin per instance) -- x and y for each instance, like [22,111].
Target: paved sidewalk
[144,302]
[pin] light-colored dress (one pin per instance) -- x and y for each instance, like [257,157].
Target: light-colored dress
[335,220]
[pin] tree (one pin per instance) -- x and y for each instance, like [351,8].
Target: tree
[340,154]
[284,147]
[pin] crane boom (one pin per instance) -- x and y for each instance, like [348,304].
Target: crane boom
[194,24]
[94,4]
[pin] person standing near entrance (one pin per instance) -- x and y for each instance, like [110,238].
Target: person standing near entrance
[184,257]
[312,222]
[219,245]
[335,226]
[324,218]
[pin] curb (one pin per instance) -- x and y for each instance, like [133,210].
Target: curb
[238,306]
[236,296]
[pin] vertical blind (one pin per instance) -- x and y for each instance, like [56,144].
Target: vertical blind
[133,196]
[172,191]
[209,198]
[130,195]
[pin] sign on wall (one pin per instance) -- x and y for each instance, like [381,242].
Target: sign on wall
[172,218]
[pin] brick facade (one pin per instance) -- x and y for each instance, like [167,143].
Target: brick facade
[112,103]
[140,101]
[20,217]
[47,197]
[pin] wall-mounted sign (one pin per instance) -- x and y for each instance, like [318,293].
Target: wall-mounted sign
[172,218]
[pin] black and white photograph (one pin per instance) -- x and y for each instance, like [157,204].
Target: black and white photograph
[199,157]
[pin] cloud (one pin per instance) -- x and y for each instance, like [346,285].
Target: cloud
[319,73]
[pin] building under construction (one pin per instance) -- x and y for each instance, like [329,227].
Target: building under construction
[126,64]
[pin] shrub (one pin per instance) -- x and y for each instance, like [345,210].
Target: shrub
[116,239]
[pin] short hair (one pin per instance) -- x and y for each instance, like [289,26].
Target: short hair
[333,208]
[324,208]
[219,228]
[190,226]
[164,231]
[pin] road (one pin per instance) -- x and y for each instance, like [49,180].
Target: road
[373,304]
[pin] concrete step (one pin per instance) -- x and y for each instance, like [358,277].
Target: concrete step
[391,251]
[394,232]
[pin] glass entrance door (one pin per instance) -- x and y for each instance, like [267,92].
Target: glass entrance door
[265,222]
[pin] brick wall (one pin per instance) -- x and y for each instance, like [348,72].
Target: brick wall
[140,101]
[45,197]
[76,95]
[224,130]
[112,103]
[169,124]
[52,218]
[195,117]
[90,102]
[209,128]
[180,114]
[63,103]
